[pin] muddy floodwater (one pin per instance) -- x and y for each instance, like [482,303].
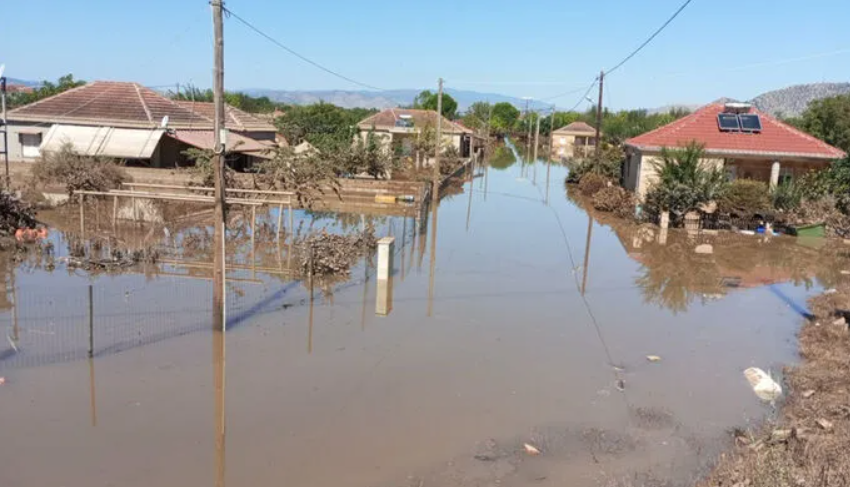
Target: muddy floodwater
[516,317]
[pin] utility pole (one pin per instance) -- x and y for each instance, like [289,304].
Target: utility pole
[435,196]
[219,322]
[219,318]
[599,114]
[551,149]
[4,127]
[536,137]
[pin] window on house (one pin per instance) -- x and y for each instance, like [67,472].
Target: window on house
[786,175]
[562,141]
[30,144]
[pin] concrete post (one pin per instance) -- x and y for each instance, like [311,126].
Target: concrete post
[385,257]
[774,175]
[384,283]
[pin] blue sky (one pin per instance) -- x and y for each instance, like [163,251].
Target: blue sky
[536,48]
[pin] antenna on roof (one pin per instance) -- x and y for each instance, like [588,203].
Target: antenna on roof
[164,123]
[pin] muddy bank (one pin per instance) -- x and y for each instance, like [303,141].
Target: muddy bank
[807,445]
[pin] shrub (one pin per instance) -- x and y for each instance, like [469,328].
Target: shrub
[204,170]
[616,200]
[592,183]
[745,196]
[77,172]
[608,165]
[309,175]
[787,196]
[684,182]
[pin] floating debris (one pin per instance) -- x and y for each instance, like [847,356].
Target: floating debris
[531,449]
[763,385]
[653,358]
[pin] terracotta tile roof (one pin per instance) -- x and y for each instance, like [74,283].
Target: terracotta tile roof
[113,103]
[421,118]
[776,139]
[237,119]
[577,127]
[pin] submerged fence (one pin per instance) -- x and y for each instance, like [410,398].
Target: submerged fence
[72,319]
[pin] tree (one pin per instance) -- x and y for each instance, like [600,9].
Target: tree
[684,181]
[829,120]
[428,101]
[477,115]
[327,127]
[250,104]
[504,118]
[45,90]
[309,175]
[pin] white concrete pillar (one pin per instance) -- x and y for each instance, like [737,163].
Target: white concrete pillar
[384,294]
[774,174]
[385,257]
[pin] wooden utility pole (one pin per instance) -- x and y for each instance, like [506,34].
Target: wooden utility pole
[599,114]
[435,196]
[218,318]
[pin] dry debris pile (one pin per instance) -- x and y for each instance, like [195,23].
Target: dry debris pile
[333,254]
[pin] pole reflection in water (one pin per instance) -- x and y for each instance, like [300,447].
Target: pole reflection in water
[92,396]
[548,170]
[586,253]
[469,206]
[403,242]
[433,258]
[365,293]
[218,383]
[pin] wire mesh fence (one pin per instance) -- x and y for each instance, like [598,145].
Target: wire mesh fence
[76,319]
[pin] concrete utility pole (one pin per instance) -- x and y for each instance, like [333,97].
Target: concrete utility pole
[536,137]
[219,321]
[4,126]
[599,114]
[435,196]
[219,314]
[551,149]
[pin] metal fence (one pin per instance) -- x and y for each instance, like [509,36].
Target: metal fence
[73,319]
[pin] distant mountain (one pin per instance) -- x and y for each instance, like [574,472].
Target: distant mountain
[793,101]
[23,82]
[786,102]
[381,99]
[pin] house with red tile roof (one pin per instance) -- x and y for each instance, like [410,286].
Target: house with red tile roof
[398,129]
[128,121]
[576,139]
[737,137]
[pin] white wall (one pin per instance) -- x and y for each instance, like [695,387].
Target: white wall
[19,130]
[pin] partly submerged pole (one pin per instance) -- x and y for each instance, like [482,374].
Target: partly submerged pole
[218,168]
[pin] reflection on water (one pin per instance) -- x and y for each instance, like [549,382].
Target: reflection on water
[515,338]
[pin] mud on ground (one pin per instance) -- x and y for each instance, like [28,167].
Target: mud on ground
[808,446]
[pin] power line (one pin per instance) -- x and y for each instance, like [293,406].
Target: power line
[559,95]
[296,54]
[584,96]
[653,36]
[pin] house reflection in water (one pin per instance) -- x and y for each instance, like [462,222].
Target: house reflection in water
[674,274]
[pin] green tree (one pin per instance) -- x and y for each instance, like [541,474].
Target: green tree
[426,100]
[477,115]
[46,89]
[684,181]
[504,119]
[327,127]
[829,120]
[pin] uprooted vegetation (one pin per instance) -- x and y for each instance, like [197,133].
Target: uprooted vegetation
[15,214]
[808,445]
[325,254]
[76,172]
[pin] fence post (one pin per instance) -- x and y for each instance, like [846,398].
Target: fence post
[91,321]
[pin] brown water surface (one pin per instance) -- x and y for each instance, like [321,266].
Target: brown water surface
[488,347]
